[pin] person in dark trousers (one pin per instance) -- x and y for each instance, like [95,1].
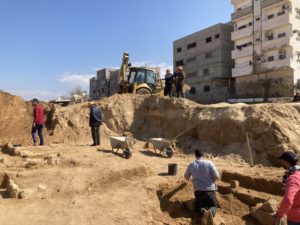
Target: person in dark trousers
[296,97]
[38,121]
[204,174]
[179,78]
[96,119]
[290,205]
[168,83]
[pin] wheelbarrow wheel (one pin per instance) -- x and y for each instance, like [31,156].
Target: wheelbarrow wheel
[169,152]
[127,153]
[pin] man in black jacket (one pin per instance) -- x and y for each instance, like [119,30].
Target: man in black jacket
[179,78]
[96,119]
[168,83]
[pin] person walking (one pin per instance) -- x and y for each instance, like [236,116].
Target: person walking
[96,119]
[168,83]
[290,205]
[38,121]
[179,78]
[204,174]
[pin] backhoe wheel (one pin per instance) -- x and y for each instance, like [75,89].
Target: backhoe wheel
[143,91]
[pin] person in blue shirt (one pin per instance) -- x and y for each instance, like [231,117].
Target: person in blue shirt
[204,174]
[96,119]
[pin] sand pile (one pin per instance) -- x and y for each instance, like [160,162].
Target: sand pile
[219,129]
[15,119]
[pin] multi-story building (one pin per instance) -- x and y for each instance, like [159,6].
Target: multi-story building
[104,84]
[206,59]
[266,51]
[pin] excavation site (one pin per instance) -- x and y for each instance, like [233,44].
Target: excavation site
[67,181]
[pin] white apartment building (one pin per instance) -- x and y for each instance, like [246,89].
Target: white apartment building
[266,51]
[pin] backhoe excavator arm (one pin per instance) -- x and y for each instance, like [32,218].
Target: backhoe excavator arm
[122,74]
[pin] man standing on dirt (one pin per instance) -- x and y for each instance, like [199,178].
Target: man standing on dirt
[38,121]
[290,204]
[204,174]
[96,119]
[168,83]
[179,78]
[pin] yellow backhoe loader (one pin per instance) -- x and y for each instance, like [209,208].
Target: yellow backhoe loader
[138,80]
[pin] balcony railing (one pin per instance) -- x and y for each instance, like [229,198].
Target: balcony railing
[243,12]
[284,63]
[238,34]
[243,52]
[266,3]
[277,21]
[242,70]
[276,43]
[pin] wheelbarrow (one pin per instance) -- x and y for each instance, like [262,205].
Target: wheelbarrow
[165,146]
[124,143]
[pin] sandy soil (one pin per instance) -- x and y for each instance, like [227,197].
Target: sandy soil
[68,182]
[90,185]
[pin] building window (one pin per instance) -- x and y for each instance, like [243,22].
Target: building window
[281,35]
[282,54]
[206,88]
[179,63]
[191,45]
[208,55]
[298,56]
[179,50]
[270,16]
[298,13]
[250,24]
[269,36]
[205,72]
[257,19]
[270,58]
[191,59]
[257,39]
[281,13]
[209,39]
[217,36]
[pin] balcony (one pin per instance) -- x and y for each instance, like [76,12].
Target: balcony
[276,43]
[277,64]
[266,3]
[242,53]
[278,21]
[241,13]
[242,69]
[238,34]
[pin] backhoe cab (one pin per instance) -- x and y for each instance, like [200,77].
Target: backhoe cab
[140,80]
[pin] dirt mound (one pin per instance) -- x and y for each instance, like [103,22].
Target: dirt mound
[15,119]
[218,129]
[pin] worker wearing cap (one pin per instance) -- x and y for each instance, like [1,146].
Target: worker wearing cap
[179,78]
[96,119]
[38,121]
[290,204]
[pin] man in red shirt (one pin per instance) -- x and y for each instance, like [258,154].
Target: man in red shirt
[290,204]
[38,122]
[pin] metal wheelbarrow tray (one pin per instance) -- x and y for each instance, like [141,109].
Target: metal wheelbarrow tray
[164,145]
[124,143]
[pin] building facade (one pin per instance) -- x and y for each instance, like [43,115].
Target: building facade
[104,84]
[266,51]
[206,59]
